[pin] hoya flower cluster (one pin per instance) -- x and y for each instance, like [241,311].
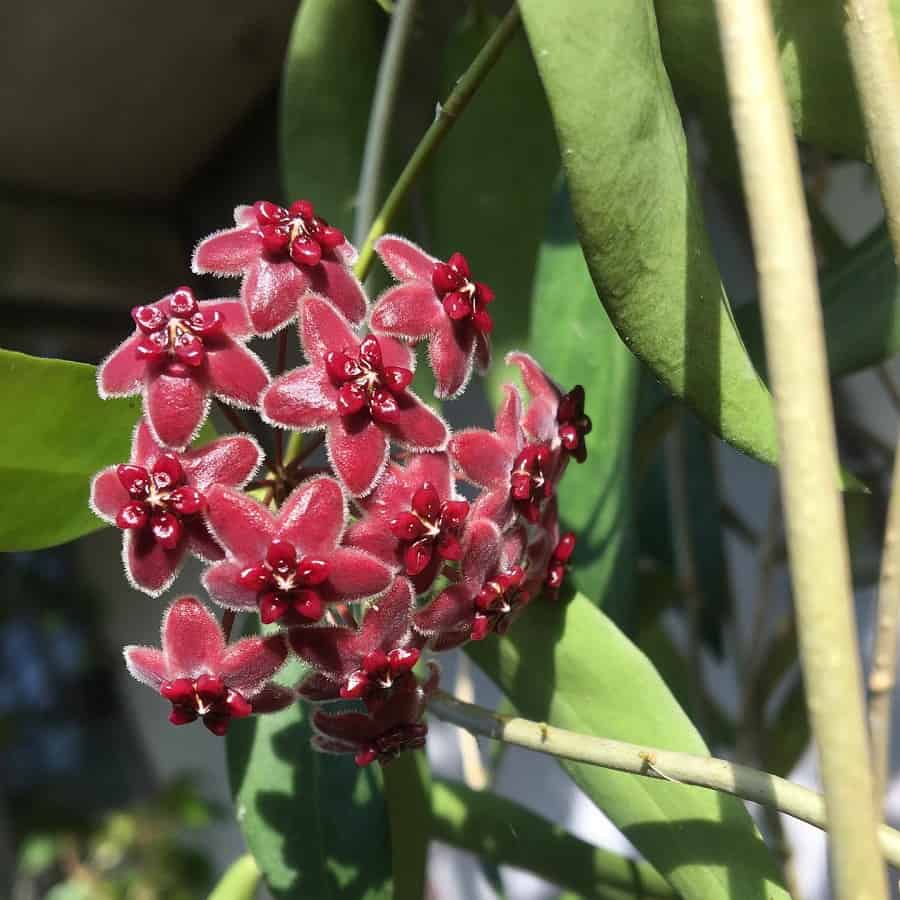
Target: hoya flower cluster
[360,568]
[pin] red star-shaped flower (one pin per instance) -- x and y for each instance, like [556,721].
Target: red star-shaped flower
[289,565]
[391,726]
[357,391]
[181,352]
[489,594]
[517,476]
[438,302]
[363,662]
[205,679]
[553,418]
[159,499]
[284,256]
[414,518]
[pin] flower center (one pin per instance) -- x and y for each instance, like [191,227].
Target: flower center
[497,601]
[464,300]
[430,525]
[296,233]
[175,328]
[529,484]
[378,670]
[573,423]
[559,561]
[205,697]
[285,580]
[364,382]
[160,499]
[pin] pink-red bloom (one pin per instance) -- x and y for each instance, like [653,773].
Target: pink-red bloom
[357,390]
[181,352]
[288,565]
[517,476]
[438,302]
[284,256]
[488,595]
[159,497]
[413,518]
[367,661]
[391,726]
[202,677]
[553,418]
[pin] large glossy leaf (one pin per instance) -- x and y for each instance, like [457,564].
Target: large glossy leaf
[814,65]
[492,181]
[316,824]
[329,78]
[595,498]
[568,664]
[503,832]
[58,433]
[638,214]
[860,305]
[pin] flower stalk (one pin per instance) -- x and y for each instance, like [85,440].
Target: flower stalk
[650,762]
[795,348]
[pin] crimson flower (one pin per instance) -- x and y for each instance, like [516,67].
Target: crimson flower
[158,499]
[559,560]
[356,391]
[554,418]
[438,302]
[413,518]
[202,677]
[516,476]
[489,594]
[288,565]
[391,726]
[366,661]
[181,352]
[284,256]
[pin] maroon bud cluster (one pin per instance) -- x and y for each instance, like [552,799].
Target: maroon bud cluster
[377,561]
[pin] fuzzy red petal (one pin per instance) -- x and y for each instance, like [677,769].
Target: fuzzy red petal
[248,664]
[450,611]
[451,355]
[148,565]
[223,585]
[192,639]
[231,460]
[323,328]
[272,292]
[175,407]
[121,373]
[107,494]
[235,321]
[408,310]
[227,252]
[416,425]
[146,664]
[403,259]
[508,421]
[332,650]
[358,449]
[272,698]
[388,619]
[540,419]
[236,374]
[301,399]
[200,542]
[313,516]
[332,279]
[482,457]
[316,688]
[243,526]
[354,574]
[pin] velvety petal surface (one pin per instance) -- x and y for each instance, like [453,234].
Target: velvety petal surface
[250,662]
[107,494]
[241,524]
[227,252]
[222,584]
[300,399]
[231,460]
[272,292]
[148,565]
[121,373]
[481,456]
[417,426]
[358,449]
[409,310]
[324,328]
[332,279]
[405,260]
[175,406]
[333,651]
[200,542]
[313,516]
[539,421]
[146,664]
[192,639]
[451,610]
[235,321]
[236,374]
[353,574]
[450,354]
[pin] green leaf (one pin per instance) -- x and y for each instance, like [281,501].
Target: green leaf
[492,181]
[595,498]
[327,87]
[860,306]
[316,824]
[638,214]
[814,65]
[407,789]
[58,434]
[567,664]
[503,832]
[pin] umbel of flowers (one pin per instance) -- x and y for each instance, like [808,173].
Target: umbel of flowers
[361,569]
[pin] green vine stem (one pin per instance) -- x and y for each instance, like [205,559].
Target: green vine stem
[239,882]
[447,114]
[682,768]
[383,104]
[795,349]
